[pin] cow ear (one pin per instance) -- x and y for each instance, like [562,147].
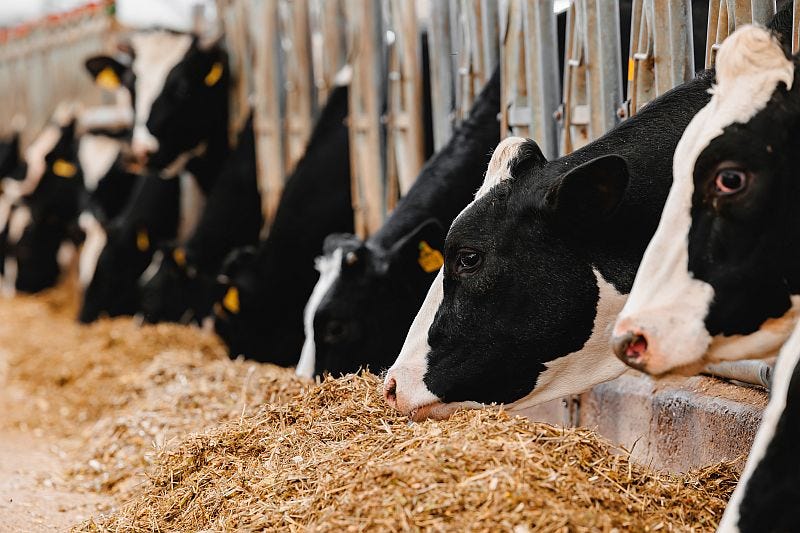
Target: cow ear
[420,250]
[106,71]
[592,190]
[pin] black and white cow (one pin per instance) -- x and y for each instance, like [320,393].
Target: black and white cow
[721,277]
[11,163]
[719,280]
[261,313]
[39,214]
[181,283]
[537,267]
[369,291]
[180,95]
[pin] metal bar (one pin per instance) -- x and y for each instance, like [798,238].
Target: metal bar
[442,73]
[405,128]
[365,31]
[267,112]
[592,72]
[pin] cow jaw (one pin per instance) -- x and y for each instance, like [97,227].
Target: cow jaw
[667,305]
[329,268]
[594,363]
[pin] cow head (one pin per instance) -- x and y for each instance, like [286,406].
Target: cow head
[49,200]
[719,280]
[149,219]
[181,96]
[517,311]
[173,289]
[360,304]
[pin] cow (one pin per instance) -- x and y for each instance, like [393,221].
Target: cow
[369,291]
[179,88]
[765,497]
[11,163]
[719,281]
[260,314]
[38,213]
[181,283]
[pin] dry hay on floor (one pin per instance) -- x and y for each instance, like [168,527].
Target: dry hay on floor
[178,393]
[337,459]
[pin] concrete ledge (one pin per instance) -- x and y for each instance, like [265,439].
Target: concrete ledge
[673,424]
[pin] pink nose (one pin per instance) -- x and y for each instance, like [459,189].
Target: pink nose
[631,348]
[390,393]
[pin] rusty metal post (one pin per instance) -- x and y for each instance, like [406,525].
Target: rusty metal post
[795,27]
[366,41]
[529,72]
[592,72]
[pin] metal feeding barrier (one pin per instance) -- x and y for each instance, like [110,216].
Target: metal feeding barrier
[285,56]
[41,65]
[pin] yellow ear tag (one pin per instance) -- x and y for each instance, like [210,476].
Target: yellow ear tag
[64,169]
[108,79]
[142,240]
[179,255]
[231,300]
[429,259]
[214,74]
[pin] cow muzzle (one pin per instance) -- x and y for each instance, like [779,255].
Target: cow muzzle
[631,349]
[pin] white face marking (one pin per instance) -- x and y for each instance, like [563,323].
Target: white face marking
[20,219]
[35,154]
[92,247]
[96,154]
[594,363]
[666,303]
[157,53]
[65,255]
[152,269]
[412,363]
[784,368]
[329,268]
[192,201]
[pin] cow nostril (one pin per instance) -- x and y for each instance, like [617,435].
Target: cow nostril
[630,348]
[390,392]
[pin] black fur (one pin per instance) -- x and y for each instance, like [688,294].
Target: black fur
[276,281]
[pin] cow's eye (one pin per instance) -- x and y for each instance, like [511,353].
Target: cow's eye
[730,181]
[467,262]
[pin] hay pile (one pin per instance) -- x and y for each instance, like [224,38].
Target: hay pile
[336,459]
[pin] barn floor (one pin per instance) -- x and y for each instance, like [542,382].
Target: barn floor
[85,413]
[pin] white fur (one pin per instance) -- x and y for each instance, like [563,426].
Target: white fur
[35,157]
[667,304]
[784,368]
[409,369]
[92,247]
[20,218]
[157,52]
[329,268]
[152,269]
[594,363]
[96,154]
[192,201]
